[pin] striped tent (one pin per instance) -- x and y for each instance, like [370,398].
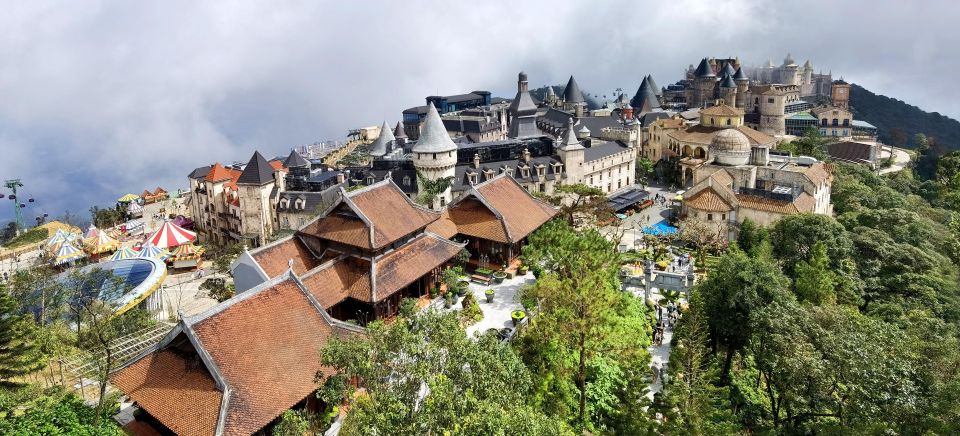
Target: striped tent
[92,232]
[150,250]
[186,252]
[123,253]
[128,198]
[171,235]
[67,253]
[58,238]
[135,209]
[102,243]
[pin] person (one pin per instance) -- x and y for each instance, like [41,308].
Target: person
[659,314]
[656,371]
[663,374]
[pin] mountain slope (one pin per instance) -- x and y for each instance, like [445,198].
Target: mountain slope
[888,113]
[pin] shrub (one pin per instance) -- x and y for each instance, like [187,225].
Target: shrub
[408,307]
[471,312]
[292,423]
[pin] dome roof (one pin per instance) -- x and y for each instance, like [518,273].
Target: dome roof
[433,135]
[730,147]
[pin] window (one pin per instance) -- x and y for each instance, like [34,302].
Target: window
[846,132]
[443,201]
[723,217]
[591,180]
[543,187]
[769,100]
[709,217]
[728,121]
[712,121]
[835,122]
[406,180]
[434,156]
[302,222]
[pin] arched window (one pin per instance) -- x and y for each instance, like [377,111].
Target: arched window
[406,180]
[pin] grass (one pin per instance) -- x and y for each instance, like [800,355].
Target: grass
[31,236]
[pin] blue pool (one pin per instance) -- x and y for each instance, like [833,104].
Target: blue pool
[660,229]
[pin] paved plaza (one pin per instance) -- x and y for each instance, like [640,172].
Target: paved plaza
[496,315]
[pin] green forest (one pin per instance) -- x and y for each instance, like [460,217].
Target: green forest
[892,116]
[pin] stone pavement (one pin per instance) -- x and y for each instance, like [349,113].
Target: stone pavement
[659,354]
[496,315]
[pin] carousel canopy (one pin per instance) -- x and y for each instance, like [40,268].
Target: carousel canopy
[123,253]
[132,224]
[128,198]
[186,252]
[150,250]
[60,237]
[134,207]
[171,235]
[67,253]
[102,243]
[92,232]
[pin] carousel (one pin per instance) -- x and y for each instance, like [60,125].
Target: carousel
[170,235]
[186,256]
[100,244]
[66,254]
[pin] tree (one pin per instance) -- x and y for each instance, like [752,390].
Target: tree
[218,289]
[472,386]
[644,169]
[815,281]
[58,413]
[581,204]
[794,236]
[40,293]
[808,144]
[18,351]
[223,257]
[750,236]
[733,293]
[702,234]
[292,423]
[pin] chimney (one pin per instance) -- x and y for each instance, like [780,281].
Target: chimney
[526,155]
[627,113]
[579,111]
[476,160]
[341,177]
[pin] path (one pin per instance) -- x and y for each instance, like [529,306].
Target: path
[900,160]
[659,354]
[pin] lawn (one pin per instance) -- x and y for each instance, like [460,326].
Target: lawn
[31,236]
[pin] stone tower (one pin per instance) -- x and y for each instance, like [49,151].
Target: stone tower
[772,107]
[807,72]
[840,94]
[571,154]
[789,71]
[523,112]
[573,100]
[743,87]
[435,155]
[728,91]
[703,84]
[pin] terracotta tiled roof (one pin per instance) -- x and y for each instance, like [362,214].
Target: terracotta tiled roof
[180,394]
[218,174]
[265,346]
[277,165]
[334,283]
[670,123]
[721,110]
[818,173]
[756,136]
[803,203]
[708,201]
[399,268]
[521,212]
[274,258]
[389,211]
[393,214]
[703,135]
[444,226]
[472,218]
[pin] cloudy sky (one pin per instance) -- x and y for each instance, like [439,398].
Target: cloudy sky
[100,98]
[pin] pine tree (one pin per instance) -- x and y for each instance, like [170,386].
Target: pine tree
[815,282]
[18,352]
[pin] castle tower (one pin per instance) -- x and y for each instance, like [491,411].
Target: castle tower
[400,135]
[435,155]
[728,91]
[840,94]
[384,142]
[704,82]
[772,108]
[523,113]
[789,71]
[551,96]
[743,86]
[571,154]
[573,98]
[807,73]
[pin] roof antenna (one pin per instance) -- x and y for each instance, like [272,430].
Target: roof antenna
[290,264]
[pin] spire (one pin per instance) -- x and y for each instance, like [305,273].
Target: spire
[379,147]
[704,70]
[433,135]
[740,75]
[653,85]
[294,160]
[570,141]
[572,94]
[728,82]
[728,69]
[257,172]
[398,131]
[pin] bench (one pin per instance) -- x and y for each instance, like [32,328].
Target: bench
[477,278]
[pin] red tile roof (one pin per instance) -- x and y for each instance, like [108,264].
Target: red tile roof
[520,211]
[265,346]
[401,267]
[277,165]
[331,285]
[218,174]
[472,218]
[180,394]
[274,258]
[444,226]
[708,201]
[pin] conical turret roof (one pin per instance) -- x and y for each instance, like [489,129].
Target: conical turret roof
[728,82]
[570,141]
[572,93]
[433,136]
[740,75]
[704,70]
[257,172]
[551,92]
[295,160]
[807,65]
[653,85]
[398,132]
[379,147]
[728,69]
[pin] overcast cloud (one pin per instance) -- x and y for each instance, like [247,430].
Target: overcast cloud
[101,98]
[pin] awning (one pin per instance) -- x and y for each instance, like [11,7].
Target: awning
[626,199]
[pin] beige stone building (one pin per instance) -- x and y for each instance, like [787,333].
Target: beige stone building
[236,204]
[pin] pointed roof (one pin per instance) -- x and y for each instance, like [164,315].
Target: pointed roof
[218,174]
[653,85]
[788,60]
[379,147]
[728,69]
[398,131]
[257,172]
[523,104]
[807,64]
[499,210]
[728,82]
[641,91]
[551,92]
[570,141]
[571,93]
[295,160]
[704,70]
[740,75]
[433,135]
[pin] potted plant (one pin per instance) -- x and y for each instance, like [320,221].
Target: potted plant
[489,293]
[517,316]
[434,290]
[499,276]
[462,287]
[448,300]
[522,270]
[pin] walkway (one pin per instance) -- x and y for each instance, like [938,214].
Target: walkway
[900,160]
[659,354]
[496,315]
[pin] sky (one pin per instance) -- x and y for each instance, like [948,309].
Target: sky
[101,98]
